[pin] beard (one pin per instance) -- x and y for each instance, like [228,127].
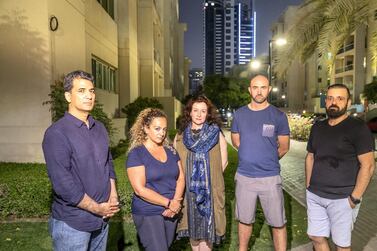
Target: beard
[334,111]
[259,99]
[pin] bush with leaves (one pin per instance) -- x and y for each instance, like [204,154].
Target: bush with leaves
[300,127]
[133,109]
[119,149]
[58,106]
[370,91]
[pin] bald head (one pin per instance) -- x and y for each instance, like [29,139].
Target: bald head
[259,89]
[259,79]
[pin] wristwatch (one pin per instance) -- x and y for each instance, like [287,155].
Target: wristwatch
[354,200]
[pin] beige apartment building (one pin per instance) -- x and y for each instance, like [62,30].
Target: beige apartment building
[304,85]
[289,91]
[132,47]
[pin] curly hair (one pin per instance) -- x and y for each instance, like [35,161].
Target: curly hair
[144,119]
[213,116]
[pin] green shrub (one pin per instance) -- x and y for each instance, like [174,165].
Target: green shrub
[120,149]
[58,106]
[370,91]
[133,109]
[171,134]
[300,127]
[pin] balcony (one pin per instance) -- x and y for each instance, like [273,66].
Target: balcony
[348,67]
[348,47]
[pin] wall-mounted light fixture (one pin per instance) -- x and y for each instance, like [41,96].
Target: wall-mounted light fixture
[54,24]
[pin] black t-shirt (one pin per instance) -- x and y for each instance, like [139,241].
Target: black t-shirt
[335,150]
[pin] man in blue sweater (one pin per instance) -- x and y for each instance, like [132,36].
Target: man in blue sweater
[79,165]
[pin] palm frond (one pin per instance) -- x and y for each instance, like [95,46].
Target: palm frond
[324,30]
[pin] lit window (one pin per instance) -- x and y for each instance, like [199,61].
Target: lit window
[104,75]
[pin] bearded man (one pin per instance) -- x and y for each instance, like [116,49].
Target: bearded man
[339,165]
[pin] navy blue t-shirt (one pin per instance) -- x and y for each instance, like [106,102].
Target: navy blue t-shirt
[258,151]
[161,177]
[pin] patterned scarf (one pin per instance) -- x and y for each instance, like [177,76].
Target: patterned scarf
[200,177]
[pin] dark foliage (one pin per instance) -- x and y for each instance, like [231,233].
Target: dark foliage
[133,109]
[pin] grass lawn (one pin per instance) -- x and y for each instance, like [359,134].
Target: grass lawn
[34,235]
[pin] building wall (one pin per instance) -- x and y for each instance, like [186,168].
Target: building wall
[315,85]
[32,57]
[128,52]
[359,65]
[68,41]
[151,55]
[186,88]
[172,108]
[349,66]
[101,41]
[25,78]
[294,80]
[178,89]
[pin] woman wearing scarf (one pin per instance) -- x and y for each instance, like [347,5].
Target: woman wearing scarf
[203,151]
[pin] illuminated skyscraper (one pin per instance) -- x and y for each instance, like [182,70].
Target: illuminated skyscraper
[229,34]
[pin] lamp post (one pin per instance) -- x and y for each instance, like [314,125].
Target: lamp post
[278,42]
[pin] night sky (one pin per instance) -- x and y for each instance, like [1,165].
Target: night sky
[268,11]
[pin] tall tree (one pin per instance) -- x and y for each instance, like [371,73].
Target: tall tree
[323,28]
[226,92]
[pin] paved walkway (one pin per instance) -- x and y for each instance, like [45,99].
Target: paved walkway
[364,236]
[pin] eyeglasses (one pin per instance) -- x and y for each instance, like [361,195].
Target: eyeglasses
[337,99]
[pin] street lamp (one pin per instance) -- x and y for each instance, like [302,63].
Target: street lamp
[255,64]
[278,42]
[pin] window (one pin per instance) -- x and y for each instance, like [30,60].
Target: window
[227,37]
[104,75]
[227,18]
[228,31]
[227,43]
[108,5]
[227,50]
[227,56]
[375,14]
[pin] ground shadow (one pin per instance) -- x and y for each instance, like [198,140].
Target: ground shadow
[288,215]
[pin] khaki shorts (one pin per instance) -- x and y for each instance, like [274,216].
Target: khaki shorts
[270,194]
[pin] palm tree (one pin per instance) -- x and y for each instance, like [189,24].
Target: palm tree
[323,28]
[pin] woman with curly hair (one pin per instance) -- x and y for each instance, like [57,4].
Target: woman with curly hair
[203,151]
[155,173]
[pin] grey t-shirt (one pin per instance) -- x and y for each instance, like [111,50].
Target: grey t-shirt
[335,150]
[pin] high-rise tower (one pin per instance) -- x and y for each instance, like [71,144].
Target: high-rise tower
[229,34]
